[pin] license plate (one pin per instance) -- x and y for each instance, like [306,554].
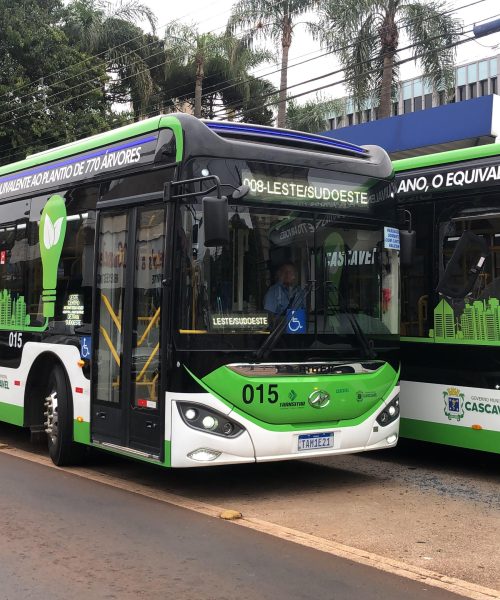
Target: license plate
[315,441]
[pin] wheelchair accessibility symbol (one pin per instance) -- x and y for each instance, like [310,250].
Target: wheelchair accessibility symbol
[296,321]
[86,347]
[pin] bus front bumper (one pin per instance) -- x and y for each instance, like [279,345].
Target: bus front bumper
[192,447]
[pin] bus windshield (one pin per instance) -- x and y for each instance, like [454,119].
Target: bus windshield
[328,277]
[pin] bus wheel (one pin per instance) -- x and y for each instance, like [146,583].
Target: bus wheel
[59,419]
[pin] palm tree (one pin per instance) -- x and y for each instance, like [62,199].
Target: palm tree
[217,64]
[312,116]
[365,34]
[185,45]
[110,30]
[241,58]
[274,20]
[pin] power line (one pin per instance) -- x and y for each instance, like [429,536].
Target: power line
[336,72]
[301,83]
[327,85]
[347,80]
[324,86]
[154,97]
[101,54]
[163,63]
[326,53]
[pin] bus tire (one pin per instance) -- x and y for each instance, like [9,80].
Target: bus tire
[59,419]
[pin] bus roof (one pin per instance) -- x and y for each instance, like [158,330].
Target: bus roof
[442,158]
[273,135]
[193,137]
[231,130]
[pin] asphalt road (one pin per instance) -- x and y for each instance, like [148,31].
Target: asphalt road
[64,537]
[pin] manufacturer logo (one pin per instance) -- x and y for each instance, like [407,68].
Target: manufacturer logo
[360,396]
[453,404]
[319,399]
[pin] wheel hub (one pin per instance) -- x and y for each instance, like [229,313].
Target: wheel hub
[51,416]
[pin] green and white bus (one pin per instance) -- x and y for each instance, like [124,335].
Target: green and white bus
[143,307]
[450,332]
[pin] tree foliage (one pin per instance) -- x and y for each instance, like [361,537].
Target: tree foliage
[313,115]
[366,35]
[211,74]
[110,32]
[37,111]
[274,20]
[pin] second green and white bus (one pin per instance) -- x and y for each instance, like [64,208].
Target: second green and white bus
[135,273]
[450,389]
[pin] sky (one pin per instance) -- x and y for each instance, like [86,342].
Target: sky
[211,15]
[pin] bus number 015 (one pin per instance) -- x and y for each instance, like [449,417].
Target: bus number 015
[251,393]
[15,339]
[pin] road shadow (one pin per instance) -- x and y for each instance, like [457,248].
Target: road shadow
[259,480]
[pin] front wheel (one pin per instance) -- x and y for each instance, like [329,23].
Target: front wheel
[59,420]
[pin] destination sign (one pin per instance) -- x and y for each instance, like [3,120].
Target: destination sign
[458,177]
[257,321]
[317,191]
[77,168]
[315,188]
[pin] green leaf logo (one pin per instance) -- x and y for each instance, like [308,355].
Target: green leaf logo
[51,232]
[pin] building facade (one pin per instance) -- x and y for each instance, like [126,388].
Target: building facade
[472,80]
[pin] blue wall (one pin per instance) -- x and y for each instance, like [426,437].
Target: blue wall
[448,123]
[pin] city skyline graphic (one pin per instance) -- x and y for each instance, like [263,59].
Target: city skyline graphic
[13,312]
[479,321]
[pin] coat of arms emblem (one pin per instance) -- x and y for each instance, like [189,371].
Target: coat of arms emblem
[453,403]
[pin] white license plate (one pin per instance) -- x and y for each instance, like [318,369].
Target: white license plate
[315,441]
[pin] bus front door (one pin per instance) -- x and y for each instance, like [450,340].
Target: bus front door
[127,409]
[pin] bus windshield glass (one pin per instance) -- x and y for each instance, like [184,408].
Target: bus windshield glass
[329,278]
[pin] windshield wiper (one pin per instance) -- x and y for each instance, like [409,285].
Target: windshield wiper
[358,332]
[282,322]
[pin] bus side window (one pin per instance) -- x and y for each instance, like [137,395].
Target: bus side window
[416,279]
[487,227]
[76,268]
[13,272]
[14,310]
[75,271]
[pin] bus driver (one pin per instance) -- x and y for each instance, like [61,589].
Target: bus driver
[282,294]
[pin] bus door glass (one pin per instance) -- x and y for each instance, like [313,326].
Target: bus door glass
[126,401]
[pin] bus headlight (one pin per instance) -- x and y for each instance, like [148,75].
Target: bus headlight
[206,419]
[210,422]
[390,413]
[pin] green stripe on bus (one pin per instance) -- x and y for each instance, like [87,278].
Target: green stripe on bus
[453,435]
[81,432]
[167,454]
[10,413]
[450,342]
[442,158]
[173,123]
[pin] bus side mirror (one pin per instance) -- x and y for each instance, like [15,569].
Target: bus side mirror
[464,266]
[215,221]
[408,247]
